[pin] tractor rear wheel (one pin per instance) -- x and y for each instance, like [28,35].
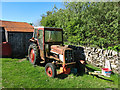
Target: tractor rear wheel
[50,70]
[33,54]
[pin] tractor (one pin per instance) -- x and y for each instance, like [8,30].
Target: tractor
[47,47]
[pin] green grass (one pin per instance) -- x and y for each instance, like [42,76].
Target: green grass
[17,74]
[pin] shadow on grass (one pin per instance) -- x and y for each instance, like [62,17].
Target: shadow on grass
[62,76]
[41,65]
[78,73]
[17,57]
[83,70]
[89,69]
[104,78]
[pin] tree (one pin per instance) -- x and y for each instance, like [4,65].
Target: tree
[86,23]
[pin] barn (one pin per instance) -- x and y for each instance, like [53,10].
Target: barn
[17,34]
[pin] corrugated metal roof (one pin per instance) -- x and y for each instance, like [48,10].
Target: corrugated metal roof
[16,26]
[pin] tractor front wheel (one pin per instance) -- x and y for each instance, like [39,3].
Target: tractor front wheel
[50,70]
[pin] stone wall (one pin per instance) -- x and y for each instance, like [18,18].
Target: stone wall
[98,57]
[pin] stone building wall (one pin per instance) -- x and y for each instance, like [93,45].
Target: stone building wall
[98,57]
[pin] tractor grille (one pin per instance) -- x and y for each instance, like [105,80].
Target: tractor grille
[69,56]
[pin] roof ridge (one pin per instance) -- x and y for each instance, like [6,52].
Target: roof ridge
[12,21]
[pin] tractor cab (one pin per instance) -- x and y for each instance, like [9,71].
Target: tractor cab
[45,37]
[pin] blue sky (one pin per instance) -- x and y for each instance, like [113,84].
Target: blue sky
[27,11]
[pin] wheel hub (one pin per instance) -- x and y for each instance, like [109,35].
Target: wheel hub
[32,55]
[49,71]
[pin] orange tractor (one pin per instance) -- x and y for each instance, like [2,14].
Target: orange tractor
[47,47]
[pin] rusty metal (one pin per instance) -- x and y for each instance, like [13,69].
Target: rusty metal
[51,57]
[59,49]
[42,54]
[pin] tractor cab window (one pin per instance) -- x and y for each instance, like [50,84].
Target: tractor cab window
[53,36]
[40,39]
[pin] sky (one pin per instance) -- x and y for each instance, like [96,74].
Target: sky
[27,11]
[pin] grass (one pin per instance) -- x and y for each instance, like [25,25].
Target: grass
[22,74]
